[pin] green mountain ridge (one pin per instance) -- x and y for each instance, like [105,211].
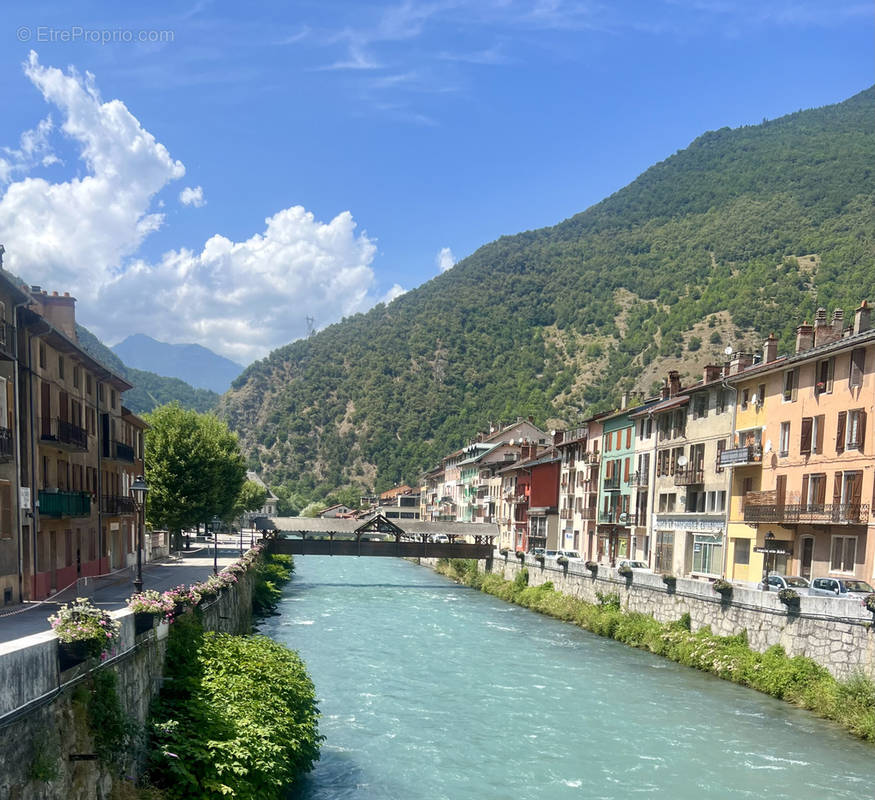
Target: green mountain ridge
[744,232]
[150,389]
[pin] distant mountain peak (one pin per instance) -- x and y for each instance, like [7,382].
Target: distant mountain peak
[193,363]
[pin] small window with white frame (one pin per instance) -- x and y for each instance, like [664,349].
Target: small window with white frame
[784,441]
[790,385]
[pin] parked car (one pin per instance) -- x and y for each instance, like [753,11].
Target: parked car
[571,555]
[439,538]
[551,553]
[796,582]
[635,566]
[537,551]
[839,587]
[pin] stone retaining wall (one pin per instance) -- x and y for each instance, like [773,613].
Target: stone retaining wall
[41,725]
[836,633]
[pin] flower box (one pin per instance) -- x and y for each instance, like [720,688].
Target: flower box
[540,558]
[144,621]
[869,602]
[789,597]
[625,570]
[520,555]
[592,566]
[722,587]
[71,654]
[670,580]
[562,561]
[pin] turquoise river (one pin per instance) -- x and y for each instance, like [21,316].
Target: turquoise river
[433,691]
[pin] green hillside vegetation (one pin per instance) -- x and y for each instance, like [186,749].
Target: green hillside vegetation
[150,390]
[756,226]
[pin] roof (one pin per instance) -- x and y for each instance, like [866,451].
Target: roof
[545,458]
[253,476]
[855,340]
[662,405]
[484,450]
[412,526]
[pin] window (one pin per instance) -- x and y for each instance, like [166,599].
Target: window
[805,440]
[856,429]
[76,372]
[716,502]
[721,446]
[858,363]
[61,367]
[745,398]
[741,552]
[813,492]
[844,554]
[42,356]
[628,438]
[100,392]
[791,383]
[664,551]
[761,395]
[113,398]
[784,443]
[720,403]
[89,388]
[695,501]
[824,376]
[700,405]
[666,502]
[609,441]
[662,460]
[817,426]
[708,553]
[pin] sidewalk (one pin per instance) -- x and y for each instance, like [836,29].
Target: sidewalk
[112,591]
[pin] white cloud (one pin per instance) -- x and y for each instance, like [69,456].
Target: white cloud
[445,259]
[241,299]
[192,196]
[396,291]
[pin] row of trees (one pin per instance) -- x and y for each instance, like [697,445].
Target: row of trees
[195,471]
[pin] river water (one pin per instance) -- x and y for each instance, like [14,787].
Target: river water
[433,691]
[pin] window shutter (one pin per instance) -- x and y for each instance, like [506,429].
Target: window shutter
[818,444]
[804,494]
[780,490]
[837,491]
[840,432]
[821,491]
[628,438]
[856,493]
[805,441]
[858,362]
[861,429]
[626,470]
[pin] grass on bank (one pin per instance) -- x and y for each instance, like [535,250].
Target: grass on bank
[797,679]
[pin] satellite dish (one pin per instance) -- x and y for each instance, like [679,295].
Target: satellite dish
[768,446]
[682,461]
[728,350]
[553,432]
[511,441]
[622,518]
[753,399]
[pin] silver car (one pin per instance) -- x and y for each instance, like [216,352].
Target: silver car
[777,582]
[840,587]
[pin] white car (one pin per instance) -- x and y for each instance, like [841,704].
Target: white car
[571,555]
[635,566]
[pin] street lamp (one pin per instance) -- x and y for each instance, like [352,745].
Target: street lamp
[138,493]
[770,537]
[215,522]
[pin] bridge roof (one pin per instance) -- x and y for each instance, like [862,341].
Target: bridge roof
[411,526]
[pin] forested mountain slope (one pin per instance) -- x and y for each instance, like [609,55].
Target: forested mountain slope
[743,232]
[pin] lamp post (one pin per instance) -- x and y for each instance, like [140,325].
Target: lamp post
[216,522]
[770,537]
[138,493]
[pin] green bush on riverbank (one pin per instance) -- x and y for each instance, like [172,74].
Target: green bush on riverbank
[271,572]
[798,680]
[236,717]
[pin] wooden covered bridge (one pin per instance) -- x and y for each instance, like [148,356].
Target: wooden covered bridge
[379,536]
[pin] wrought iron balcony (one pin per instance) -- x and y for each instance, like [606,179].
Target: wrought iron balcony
[740,456]
[808,513]
[55,503]
[613,518]
[640,478]
[689,476]
[7,445]
[612,484]
[588,513]
[116,504]
[63,434]
[565,513]
[122,452]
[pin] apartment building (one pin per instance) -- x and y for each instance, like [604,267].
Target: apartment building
[808,481]
[618,527]
[687,429]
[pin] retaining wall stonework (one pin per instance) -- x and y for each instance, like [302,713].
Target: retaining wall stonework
[42,726]
[837,634]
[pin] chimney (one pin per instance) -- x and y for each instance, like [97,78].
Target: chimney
[624,400]
[740,362]
[664,391]
[59,311]
[861,318]
[822,328]
[770,349]
[838,324]
[712,373]
[804,337]
[674,382]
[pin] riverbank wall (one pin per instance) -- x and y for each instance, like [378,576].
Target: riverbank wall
[837,634]
[48,747]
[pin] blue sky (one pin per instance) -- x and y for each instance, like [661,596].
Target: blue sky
[382,141]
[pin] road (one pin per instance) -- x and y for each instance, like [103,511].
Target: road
[111,592]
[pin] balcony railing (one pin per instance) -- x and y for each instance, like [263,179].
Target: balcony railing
[640,478]
[116,504]
[64,504]
[612,484]
[565,513]
[613,518]
[587,513]
[6,444]
[123,452]
[590,458]
[809,513]
[61,432]
[739,456]
[689,476]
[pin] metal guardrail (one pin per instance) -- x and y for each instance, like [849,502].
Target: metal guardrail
[808,513]
[689,476]
[739,456]
[59,431]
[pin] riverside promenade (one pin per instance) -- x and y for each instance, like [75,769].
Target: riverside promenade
[112,591]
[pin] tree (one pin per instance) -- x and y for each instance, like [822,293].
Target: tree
[194,468]
[250,498]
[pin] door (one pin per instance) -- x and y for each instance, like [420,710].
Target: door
[806,557]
